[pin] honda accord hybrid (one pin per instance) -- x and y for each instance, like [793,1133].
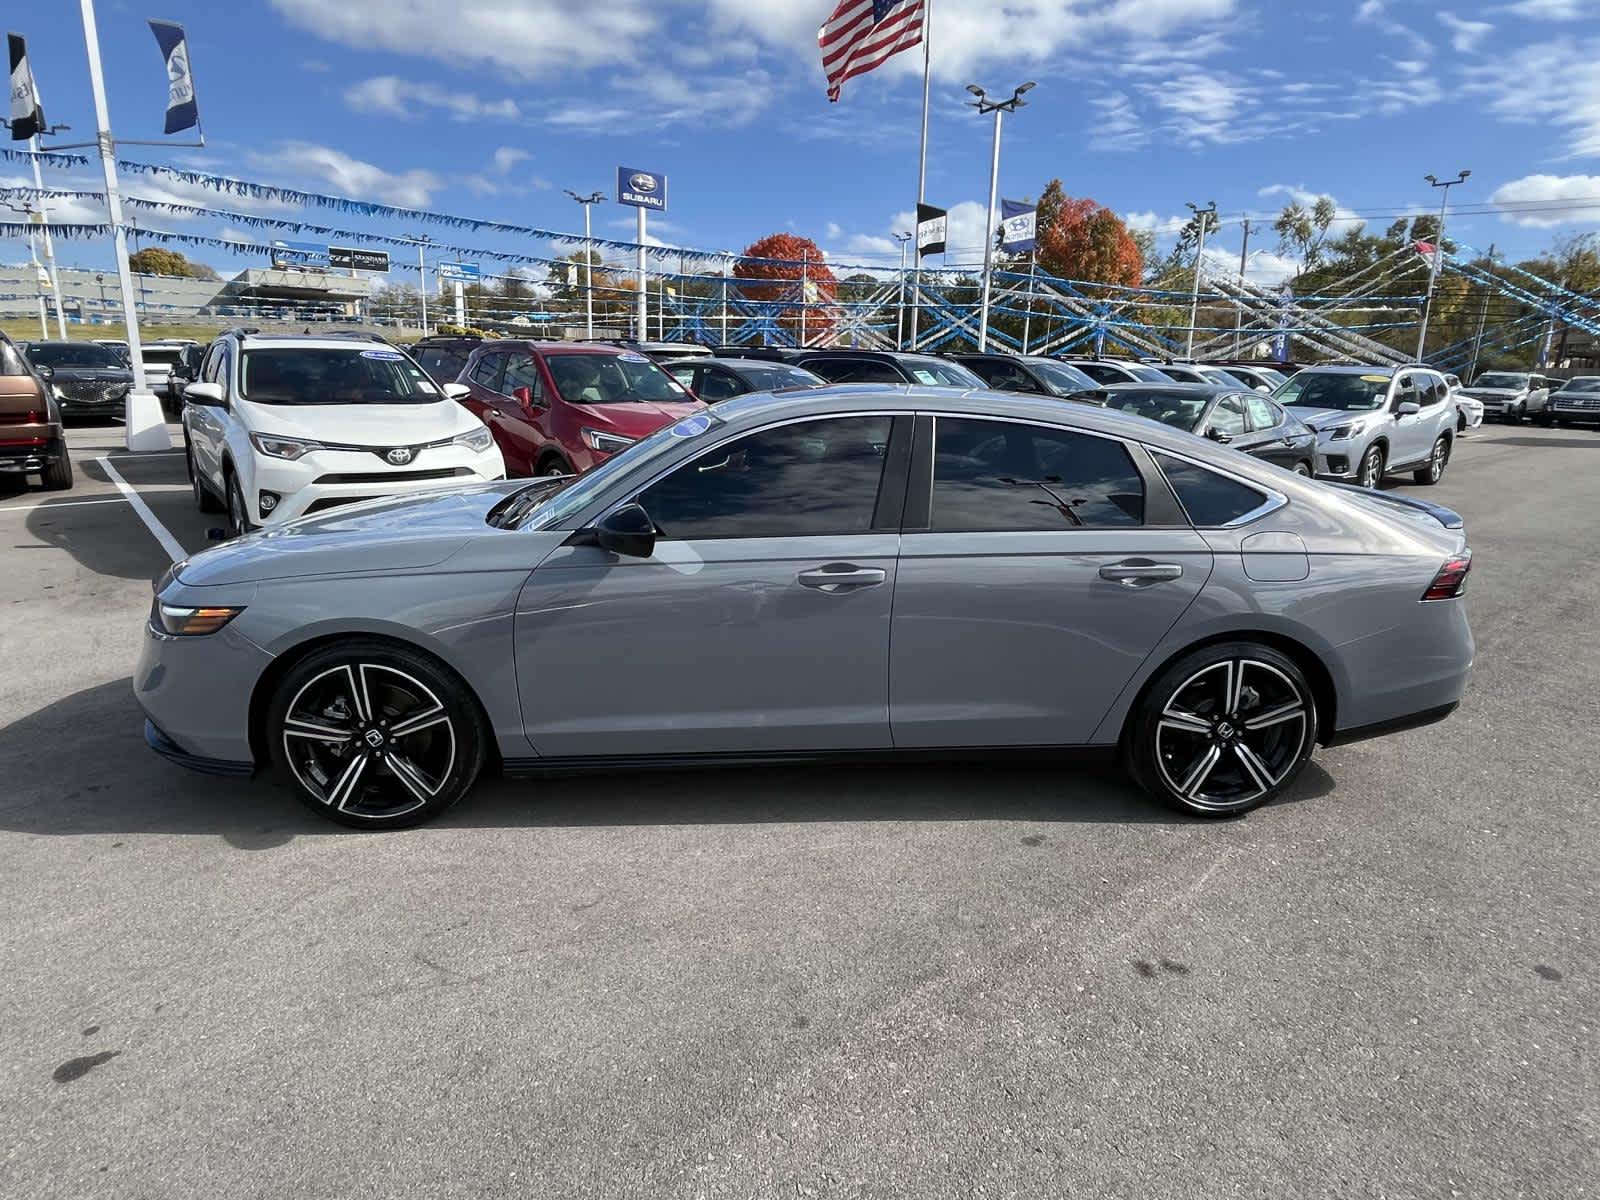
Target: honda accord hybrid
[844,572]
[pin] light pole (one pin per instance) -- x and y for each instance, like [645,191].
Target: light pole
[100,278]
[1438,254]
[900,308]
[1204,216]
[588,260]
[1483,319]
[999,108]
[422,241]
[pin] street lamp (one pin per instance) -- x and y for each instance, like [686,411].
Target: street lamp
[99,277]
[1438,253]
[999,108]
[1204,216]
[422,242]
[588,261]
[900,309]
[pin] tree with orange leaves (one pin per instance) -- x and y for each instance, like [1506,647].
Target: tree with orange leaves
[1081,239]
[777,264]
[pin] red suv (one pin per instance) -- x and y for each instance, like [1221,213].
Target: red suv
[559,408]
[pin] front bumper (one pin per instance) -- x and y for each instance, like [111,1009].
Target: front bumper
[195,691]
[1339,459]
[1572,412]
[172,752]
[326,479]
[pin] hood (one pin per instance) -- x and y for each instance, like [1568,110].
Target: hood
[1478,393]
[635,418]
[374,425]
[1327,418]
[404,533]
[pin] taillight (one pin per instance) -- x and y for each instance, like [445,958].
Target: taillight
[1451,580]
[22,418]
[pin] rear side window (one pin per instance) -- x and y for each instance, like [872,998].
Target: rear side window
[487,371]
[10,361]
[854,370]
[1262,414]
[1228,416]
[1209,499]
[1003,476]
[1004,376]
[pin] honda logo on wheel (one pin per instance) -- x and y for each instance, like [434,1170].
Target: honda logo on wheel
[400,455]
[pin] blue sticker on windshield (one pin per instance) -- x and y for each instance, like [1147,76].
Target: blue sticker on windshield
[385,355]
[692,426]
[630,356]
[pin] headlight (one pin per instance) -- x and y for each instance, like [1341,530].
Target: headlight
[117,390]
[55,389]
[605,443]
[477,440]
[1340,432]
[180,621]
[283,447]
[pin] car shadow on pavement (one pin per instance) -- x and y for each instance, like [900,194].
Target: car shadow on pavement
[106,538]
[1562,443]
[111,783]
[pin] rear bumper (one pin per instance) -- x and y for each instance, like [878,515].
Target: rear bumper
[1416,720]
[30,448]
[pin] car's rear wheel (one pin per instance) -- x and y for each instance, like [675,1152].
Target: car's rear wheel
[1223,730]
[1371,473]
[374,735]
[1438,459]
[57,473]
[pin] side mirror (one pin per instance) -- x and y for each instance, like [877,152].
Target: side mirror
[523,396]
[457,391]
[628,531]
[1216,435]
[46,372]
[209,394]
[1408,408]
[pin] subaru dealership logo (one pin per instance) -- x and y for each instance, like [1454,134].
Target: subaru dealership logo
[642,189]
[640,182]
[399,456]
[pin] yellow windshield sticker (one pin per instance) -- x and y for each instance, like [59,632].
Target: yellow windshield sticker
[1374,379]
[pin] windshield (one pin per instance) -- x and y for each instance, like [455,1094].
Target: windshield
[1148,374]
[1181,412]
[934,372]
[1590,383]
[612,379]
[161,356]
[440,362]
[1060,376]
[767,377]
[551,507]
[1344,393]
[356,374]
[1502,379]
[73,354]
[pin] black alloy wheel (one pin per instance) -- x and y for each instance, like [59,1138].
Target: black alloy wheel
[376,736]
[1223,730]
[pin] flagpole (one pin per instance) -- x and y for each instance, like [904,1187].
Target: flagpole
[49,243]
[922,165]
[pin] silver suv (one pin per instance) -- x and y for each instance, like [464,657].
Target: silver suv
[1512,395]
[1373,420]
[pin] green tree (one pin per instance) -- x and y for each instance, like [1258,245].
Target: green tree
[158,260]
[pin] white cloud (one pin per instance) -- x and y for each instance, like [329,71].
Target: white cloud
[351,176]
[507,157]
[1563,199]
[1149,222]
[1573,106]
[523,39]
[1465,35]
[1203,106]
[1549,10]
[1262,268]
[391,95]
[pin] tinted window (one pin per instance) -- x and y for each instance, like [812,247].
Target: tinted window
[718,385]
[440,362]
[1156,404]
[487,371]
[812,477]
[1007,377]
[996,476]
[854,370]
[683,373]
[522,372]
[1101,373]
[1228,416]
[1209,499]
[1261,413]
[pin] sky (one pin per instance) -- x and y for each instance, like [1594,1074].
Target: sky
[492,108]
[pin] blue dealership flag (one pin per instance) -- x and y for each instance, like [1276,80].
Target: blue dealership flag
[1018,226]
[182,111]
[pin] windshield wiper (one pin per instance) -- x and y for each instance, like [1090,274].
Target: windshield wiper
[510,512]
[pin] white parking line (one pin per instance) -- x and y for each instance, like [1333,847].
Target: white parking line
[60,504]
[170,544]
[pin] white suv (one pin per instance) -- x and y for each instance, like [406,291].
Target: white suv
[279,427]
[1374,420]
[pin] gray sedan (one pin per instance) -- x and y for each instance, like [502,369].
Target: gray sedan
[846,572]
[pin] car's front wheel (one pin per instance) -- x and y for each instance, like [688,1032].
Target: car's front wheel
[203,499]
[1222,730]
[238,514]
[375,735]
[1438,459]
[1303,469]
[1371,473]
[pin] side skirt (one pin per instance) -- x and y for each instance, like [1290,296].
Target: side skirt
[526,768]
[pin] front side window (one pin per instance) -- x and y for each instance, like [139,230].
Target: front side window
[486,371]
[612,379]
[1262,414]
[1209,499]
[1228,417]
[1405,392]
[353,374]
[1003,476]
[808,478]
[522,372]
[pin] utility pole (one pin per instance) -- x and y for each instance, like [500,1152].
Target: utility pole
[985,106]
[1203,216]
[588,261]
[1483,319]
[1438,255]
[1238,326]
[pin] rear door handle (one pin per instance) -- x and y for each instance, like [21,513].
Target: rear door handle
[835,578]
[1140,572]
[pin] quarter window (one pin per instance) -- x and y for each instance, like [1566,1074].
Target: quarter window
[809,478]
[1209,499]
[1003,476]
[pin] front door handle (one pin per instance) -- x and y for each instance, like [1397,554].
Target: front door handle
[837,578]
[1140,572]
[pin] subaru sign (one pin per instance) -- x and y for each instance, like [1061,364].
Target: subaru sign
[459,272]
[642,189]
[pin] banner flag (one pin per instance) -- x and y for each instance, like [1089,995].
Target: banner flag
[27,111]
[1018,226]
[182,110]
[932,228]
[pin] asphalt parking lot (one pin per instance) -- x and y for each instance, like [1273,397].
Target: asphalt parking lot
[942,981]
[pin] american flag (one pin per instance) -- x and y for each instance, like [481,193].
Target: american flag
[863,34]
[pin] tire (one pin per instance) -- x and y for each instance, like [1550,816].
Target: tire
[1547,419]
[1438,459]
[1191,742]
[1303,469]
[238,514]
[1461,423]
[204,499]
[553,465]
[57,473]
[331,728]
[1371,472]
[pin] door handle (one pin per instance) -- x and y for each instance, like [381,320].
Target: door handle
[837,578]
[1140,572]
